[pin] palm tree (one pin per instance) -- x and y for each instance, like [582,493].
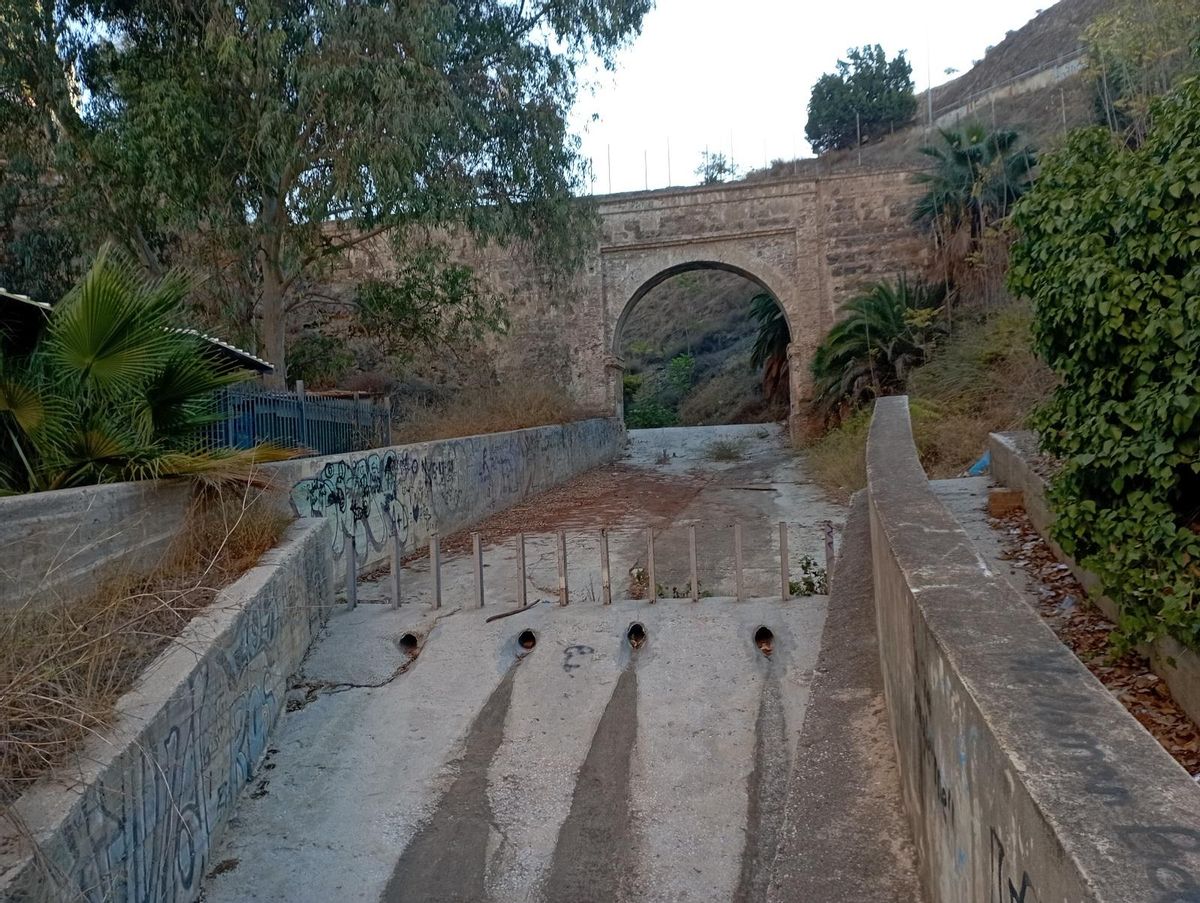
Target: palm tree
[977,178]
[111,391]
[886,331]
[770,345]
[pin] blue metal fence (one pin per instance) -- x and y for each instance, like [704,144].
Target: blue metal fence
[253,414]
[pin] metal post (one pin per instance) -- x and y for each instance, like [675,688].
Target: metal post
[397,567]
[477,552]
[435,568]
[605,576]
[302,403]
[351,573]
[652,584]
[738,562]
[785,580]
[829,554]
[692,560]
[858,128]
[563,597]
[521,594]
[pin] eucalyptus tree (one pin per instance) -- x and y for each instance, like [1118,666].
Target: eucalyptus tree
[266,139]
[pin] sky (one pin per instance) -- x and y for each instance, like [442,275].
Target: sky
[735,76]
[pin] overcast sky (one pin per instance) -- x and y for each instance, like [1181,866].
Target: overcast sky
[717,73]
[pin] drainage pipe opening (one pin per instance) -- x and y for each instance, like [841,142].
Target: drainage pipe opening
[764,640]
[636,635]
[527,639]
[409,643]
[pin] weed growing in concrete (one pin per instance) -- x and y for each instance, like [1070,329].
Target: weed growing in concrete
[726,450]
[811,578]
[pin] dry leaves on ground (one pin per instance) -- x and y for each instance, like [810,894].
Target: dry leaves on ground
[1062,602]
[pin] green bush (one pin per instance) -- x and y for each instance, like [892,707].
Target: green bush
[1109,253]
[319,359]
[648,415]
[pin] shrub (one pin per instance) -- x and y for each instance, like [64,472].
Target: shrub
[726,450]
[884,333]
[1109,252]
[648,415]
[320,360]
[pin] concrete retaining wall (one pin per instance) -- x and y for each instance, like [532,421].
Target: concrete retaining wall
[440,486]
[1024,779]
[1012,455]
[142,808]
[52,544]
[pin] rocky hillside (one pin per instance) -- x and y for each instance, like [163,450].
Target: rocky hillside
[686,348]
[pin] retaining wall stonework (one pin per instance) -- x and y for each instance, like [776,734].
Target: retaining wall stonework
[134,817]
[1012,456]
[1023,778]
[55,544]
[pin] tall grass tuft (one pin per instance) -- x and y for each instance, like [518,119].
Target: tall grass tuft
[512,405]
[63,668]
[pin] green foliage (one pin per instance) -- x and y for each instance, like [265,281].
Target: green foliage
[430,302]
[868,92]
[648,414]
[715,168]
[36,251]
[1139,50]
[320,360]
[812,579]
[1110,256]
[631,384]
[273,138]
[884,333]
[769,351]
[977,178]
[111,391]
[772,340]
[681,372]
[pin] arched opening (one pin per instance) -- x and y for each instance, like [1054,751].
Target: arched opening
[703,343]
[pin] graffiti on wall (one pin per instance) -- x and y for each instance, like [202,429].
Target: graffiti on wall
[380,495]
[144,833]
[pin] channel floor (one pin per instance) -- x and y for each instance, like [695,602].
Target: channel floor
[545,756]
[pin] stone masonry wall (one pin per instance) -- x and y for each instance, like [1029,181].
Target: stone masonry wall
[810,241]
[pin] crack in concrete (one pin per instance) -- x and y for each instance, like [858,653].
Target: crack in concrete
[318,688]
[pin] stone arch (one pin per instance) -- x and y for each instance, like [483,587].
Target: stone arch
[768,261]
[677,269]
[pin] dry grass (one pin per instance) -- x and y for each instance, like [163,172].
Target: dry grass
[985,379]
[725,450]
[490,409]
[63,669]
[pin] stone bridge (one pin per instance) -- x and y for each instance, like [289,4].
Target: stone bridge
[809,241]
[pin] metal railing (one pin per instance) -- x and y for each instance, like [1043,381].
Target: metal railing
[252,414]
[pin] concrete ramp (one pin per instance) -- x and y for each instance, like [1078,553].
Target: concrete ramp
[623,752]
